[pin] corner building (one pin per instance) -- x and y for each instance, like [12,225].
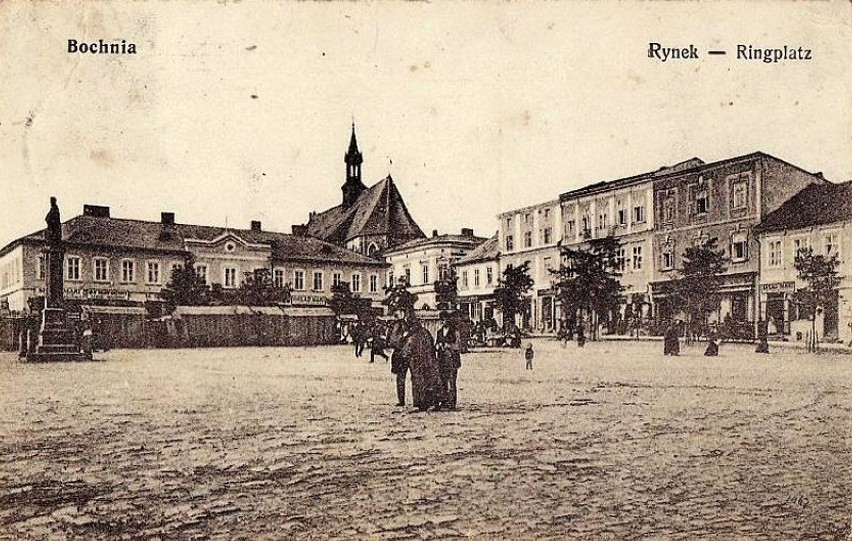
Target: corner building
[820,218]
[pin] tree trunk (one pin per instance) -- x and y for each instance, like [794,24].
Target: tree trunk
[814,338]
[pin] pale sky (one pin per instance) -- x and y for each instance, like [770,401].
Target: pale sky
[482,107]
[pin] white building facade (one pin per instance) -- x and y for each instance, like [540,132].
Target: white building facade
[423,262]
[819,218]
[532,234]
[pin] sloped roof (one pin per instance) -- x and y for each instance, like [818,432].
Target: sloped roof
[379,210]
[816,204]
[121,233]
[486,251]
[612,184]
[416,244]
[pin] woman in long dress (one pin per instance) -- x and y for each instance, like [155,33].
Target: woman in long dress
[671,344]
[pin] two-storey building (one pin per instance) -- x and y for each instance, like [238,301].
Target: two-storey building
[478,274]
[116,259]
[818,218]
[423,262]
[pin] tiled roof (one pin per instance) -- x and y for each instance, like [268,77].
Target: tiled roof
[613,184]
[486,251]
[138,234]
[379,210]
[816,204]
[471,240]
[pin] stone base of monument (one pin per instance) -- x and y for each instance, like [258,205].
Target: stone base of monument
[56,339]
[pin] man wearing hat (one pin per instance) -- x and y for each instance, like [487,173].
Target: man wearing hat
[449,360]
[413,351]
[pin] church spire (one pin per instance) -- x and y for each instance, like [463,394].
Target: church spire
[353,144]
[353,159]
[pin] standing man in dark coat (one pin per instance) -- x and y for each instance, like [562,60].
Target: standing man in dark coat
[671,342]
[449,360]
[414,351]
[712,344]
[762,337]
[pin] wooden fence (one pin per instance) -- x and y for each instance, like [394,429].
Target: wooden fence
[191,326]
[227,326]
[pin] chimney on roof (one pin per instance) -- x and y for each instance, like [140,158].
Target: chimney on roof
[96,211]
[300,230]
[255,225]
[467,232]
[820,175]
[167,218]
[434,233]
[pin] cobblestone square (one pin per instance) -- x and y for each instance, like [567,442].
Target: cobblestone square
[613,441]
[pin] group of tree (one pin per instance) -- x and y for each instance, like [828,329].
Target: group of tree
[447,291]
[819,272]
[510,293]
[587,283]
[344,302]
[695,292]
[187,288]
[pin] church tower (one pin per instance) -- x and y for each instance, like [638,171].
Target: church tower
[353,186]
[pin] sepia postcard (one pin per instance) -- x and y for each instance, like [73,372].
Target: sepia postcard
[425,270]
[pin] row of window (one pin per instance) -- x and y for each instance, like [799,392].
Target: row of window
[356,284]
[699,198]
[477,278]
[100,270]
[775,252]
[738,250]
[545,235]
[153,274]
[425,274]
[638,216]
[624,261]
[528,217]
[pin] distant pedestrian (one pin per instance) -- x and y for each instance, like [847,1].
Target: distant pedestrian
[762,337]
[359,337]
[562,333]
[529,354]
[671,339]
[449,361]
[377,347]
[581,334]
[712,344]
[87,340]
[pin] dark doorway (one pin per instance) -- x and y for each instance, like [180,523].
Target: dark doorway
[830,319]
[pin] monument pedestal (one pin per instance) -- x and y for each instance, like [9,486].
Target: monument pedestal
[56,339]
[55,336]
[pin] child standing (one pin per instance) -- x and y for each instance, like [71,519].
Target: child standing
[528,355]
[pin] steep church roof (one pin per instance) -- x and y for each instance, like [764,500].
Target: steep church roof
[378,210]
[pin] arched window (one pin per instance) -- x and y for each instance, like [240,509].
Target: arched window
[372,248]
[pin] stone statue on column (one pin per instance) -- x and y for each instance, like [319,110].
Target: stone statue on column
[54,256]
[55,337]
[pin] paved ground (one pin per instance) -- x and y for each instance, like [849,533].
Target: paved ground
[611,442]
